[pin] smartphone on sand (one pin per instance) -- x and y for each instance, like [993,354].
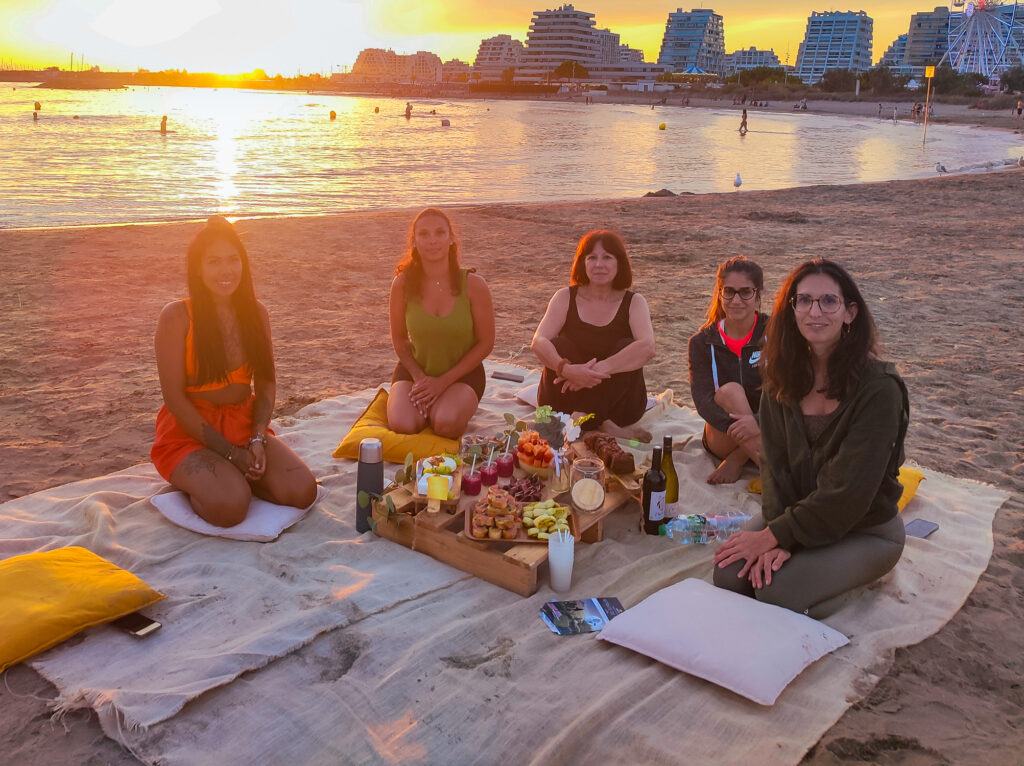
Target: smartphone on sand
[137,624]
[921,528]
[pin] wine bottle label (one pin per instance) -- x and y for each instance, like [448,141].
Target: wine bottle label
[657,506]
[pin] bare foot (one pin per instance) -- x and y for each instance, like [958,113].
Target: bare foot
[627,432]
[730,469]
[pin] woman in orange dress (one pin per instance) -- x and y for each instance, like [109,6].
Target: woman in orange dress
[216,365]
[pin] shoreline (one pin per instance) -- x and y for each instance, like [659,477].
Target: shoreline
[81,393]
[990,166]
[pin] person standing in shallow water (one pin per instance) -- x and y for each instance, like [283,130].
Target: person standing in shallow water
[216,365]
[725,377]
[594,340]
[442,328]
[833,422]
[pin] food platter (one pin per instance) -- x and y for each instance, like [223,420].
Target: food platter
[471,508]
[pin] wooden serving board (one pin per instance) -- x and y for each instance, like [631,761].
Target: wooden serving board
[446,505]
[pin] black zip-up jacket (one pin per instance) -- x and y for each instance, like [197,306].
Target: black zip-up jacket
[712,365]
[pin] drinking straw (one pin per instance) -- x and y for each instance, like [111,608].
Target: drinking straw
[508,443]
[491,456]
[472,465]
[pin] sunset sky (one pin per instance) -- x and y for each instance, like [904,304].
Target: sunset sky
[289,36]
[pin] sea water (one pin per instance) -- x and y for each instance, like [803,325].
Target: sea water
[242,152]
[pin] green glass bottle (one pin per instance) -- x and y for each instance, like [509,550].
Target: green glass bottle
[671,480]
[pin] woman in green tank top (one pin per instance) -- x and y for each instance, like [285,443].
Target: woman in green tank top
[442,328]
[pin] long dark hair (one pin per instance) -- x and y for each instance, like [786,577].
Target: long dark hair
[612,243]
[412,266]
[737,264]
[210,359]
[788,373]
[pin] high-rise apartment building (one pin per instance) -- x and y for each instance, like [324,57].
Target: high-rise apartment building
[927,39]
[495,55]
[568,34]
[894,54]
[562,34]
[694,39]
[751,58]
[835,40]
[379,65]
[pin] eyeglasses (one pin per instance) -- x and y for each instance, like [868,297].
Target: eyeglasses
[827,303]
[745,293]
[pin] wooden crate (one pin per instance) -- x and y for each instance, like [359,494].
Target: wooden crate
[398,527]
[441,535]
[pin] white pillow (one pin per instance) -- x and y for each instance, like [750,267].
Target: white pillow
[737,642]
[264,521]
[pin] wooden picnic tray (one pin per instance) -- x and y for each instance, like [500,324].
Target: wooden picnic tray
[442,536]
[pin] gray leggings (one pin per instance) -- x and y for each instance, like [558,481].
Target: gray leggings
[814,576]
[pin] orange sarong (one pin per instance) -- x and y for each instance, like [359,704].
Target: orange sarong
[172,444]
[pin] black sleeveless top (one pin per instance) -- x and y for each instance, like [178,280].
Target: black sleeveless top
[593,341]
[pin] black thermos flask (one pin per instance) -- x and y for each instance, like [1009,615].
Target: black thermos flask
[369,479]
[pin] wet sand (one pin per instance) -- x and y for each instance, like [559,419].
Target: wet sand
[938,259]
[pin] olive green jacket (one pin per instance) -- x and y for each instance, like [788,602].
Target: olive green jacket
[813,494]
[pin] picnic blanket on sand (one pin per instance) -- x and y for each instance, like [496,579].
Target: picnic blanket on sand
[372,653]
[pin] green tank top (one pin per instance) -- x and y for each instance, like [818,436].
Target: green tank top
[438,343]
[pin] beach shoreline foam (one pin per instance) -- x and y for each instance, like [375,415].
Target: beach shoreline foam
[937,259]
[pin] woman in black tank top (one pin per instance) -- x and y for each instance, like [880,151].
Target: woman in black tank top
[595,338]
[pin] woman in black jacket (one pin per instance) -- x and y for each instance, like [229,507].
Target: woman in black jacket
[725,381]
[833,421]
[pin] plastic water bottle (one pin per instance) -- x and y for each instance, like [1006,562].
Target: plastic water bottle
[680,529]
[700,529]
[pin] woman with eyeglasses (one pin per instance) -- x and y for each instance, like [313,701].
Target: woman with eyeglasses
[833,421]
[725,381]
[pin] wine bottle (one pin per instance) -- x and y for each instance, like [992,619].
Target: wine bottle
[654,495]
[671,480]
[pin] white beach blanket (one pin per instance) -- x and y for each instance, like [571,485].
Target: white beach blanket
[430,665]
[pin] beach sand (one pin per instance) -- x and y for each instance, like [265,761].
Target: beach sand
[938,259]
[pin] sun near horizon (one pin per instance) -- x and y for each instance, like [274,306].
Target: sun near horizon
[306,36]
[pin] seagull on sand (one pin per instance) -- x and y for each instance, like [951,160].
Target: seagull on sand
[1020,162]
[738,182]
[940,168]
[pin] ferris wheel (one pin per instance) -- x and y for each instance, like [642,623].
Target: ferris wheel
[985,36]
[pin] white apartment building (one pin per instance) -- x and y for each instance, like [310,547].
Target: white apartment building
[751,58]
[694,39]
[455,70]
[835,40]
[567,34]
[495,55]
[379,65]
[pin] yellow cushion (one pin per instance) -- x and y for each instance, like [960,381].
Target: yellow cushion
[374,423]
[909,478]
[48,597]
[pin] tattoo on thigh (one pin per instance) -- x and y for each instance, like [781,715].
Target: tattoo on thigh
[200,462]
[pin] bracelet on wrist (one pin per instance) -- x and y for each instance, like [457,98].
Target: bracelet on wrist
[227,455]
[261,438]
